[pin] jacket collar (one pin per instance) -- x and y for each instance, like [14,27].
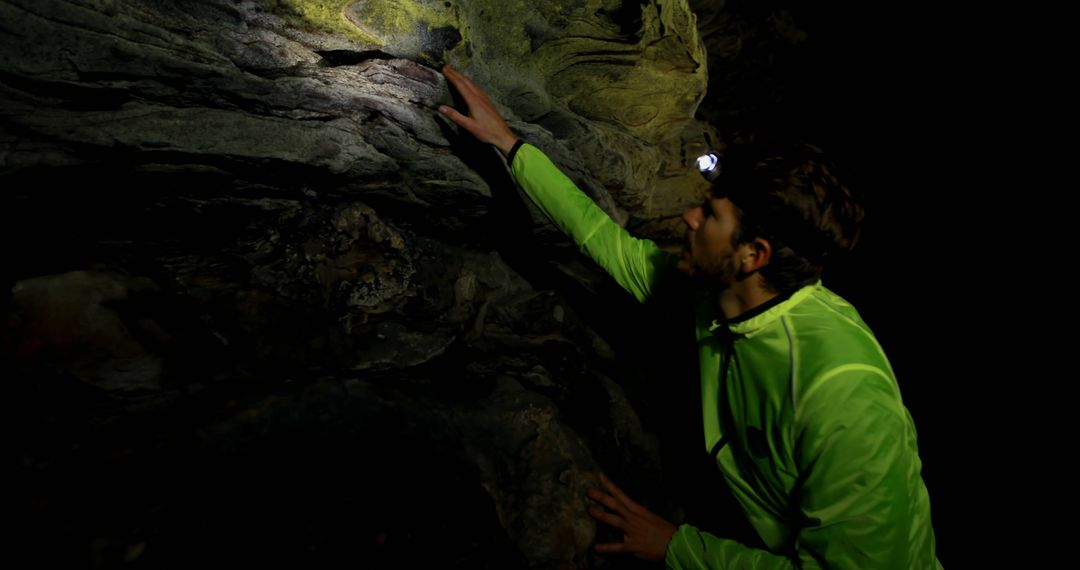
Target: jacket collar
[761,316]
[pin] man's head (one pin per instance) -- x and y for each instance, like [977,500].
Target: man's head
[777,213]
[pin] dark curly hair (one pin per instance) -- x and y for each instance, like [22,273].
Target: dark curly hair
[791,197]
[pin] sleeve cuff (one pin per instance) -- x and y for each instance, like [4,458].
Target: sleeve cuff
[513,151]
[685,549]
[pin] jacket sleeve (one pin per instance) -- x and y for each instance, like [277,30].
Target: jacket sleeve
[636,264]
[858,493]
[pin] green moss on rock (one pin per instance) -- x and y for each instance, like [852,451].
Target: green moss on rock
[326,16]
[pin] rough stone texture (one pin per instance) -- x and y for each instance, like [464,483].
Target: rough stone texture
[264,305]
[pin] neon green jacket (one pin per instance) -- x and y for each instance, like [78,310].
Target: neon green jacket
[808,429]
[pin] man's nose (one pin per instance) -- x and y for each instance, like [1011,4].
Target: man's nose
[693,217]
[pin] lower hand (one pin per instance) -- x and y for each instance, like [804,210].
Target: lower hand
[645,534]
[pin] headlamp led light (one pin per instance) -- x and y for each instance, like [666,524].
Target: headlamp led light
[709,166]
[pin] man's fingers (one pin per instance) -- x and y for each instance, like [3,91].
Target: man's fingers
[483,119]
[472,92]
[604,499]
[451,113]
[626,501]
[452,74]
[459,83]
[462,83]
[606,517]
[457,117]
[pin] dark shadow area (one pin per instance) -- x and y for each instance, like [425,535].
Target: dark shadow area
[307,480]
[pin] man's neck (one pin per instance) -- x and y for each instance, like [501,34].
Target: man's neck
[744,295]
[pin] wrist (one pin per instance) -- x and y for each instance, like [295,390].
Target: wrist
[506,144]
[513,152]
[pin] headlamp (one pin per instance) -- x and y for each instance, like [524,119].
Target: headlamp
[709,165]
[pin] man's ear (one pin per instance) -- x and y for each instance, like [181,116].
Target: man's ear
[755,255]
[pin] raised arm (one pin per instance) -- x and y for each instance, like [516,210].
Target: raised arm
[636,264]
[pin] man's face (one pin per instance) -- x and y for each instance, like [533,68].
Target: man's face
[708,252]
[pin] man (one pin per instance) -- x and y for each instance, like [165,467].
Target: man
[801,410]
